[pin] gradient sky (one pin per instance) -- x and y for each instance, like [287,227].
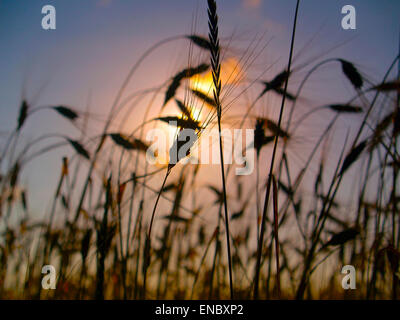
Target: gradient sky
[96,41]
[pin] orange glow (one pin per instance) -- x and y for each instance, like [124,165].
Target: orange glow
[231,73]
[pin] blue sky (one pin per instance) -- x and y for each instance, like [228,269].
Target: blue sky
[92,35]
[96,41]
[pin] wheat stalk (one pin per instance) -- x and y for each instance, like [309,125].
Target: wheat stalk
[216,70]
[268,189]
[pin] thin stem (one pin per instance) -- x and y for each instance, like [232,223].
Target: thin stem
[216,68]
[268,189]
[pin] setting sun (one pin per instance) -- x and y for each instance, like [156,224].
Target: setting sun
[231,74]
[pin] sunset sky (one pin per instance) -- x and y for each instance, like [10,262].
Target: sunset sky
[96,41]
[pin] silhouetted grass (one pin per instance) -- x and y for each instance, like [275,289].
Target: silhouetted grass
[119,227]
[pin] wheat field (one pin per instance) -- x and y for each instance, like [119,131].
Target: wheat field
[122,224]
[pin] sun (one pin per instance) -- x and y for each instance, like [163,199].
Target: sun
[231,74]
